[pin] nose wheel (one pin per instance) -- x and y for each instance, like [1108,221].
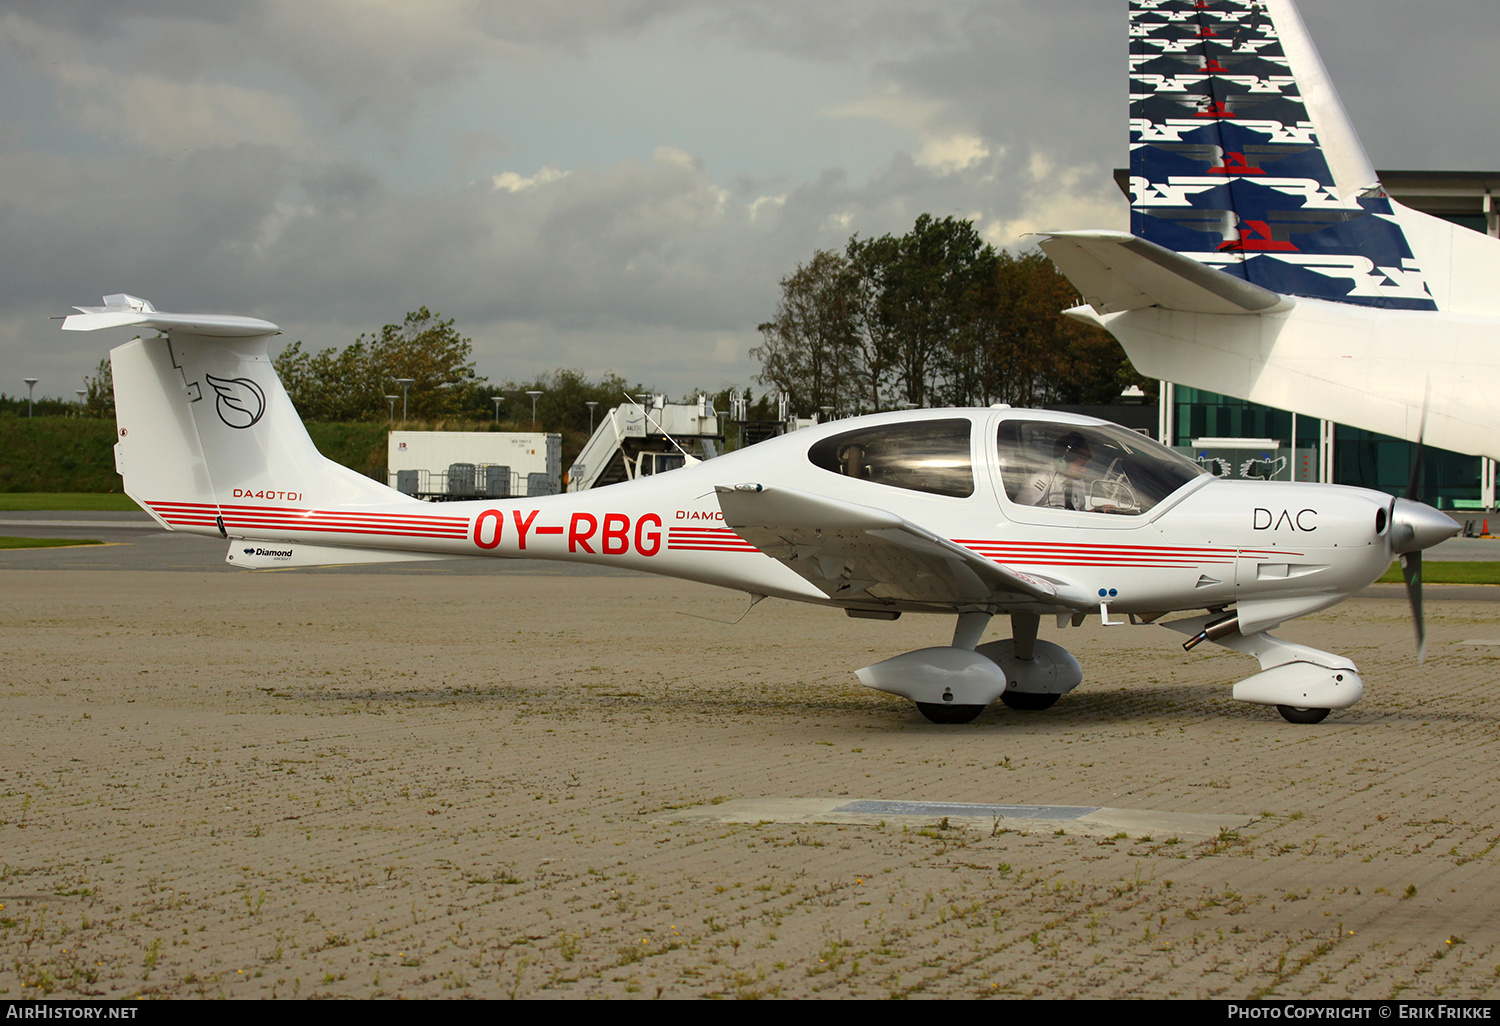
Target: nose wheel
[1292,714]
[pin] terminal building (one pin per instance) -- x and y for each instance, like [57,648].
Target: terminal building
[1325,451]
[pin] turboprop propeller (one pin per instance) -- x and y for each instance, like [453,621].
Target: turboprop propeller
[1416,526]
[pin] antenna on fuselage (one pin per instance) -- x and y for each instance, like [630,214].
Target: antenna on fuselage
[755,600]
[658,427]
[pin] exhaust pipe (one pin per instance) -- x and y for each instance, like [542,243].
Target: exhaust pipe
[1220,628]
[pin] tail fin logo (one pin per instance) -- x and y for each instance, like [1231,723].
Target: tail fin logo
[241,402]
[1239,112]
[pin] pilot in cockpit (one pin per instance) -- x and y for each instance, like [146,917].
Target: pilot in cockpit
[1065,484]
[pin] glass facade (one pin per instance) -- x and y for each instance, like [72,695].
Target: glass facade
[1450,480]
[1201,414]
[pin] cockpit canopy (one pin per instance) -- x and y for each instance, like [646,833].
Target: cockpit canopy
[921,455]
[1094,468]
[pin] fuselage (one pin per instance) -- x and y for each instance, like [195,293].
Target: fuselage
[1204,544]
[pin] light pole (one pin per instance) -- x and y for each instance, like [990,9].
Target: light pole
[392,400]
[30,387]
[533,407]
[591,404]
[405,383]
[497,400]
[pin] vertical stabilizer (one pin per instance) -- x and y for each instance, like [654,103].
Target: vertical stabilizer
[252,438]
[1242,157]
[206,434]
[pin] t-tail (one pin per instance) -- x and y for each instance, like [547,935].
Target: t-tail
[208,442]
[1264,254]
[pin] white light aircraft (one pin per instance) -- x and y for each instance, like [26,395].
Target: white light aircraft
[973,513]
[1265,261]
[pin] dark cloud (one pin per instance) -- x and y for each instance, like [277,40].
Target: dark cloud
[1412,76]
[223,180]
[837,30]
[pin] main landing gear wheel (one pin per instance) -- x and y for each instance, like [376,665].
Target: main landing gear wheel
[1028,701]
[1292,714]
[939,712]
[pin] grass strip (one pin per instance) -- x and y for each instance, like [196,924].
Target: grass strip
[1434,572]
[15,502]
[44,543]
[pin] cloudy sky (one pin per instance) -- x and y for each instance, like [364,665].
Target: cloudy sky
[598,184]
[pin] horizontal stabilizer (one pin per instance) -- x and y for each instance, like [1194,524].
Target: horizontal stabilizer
[253,554]
[1116,271]
[124,311]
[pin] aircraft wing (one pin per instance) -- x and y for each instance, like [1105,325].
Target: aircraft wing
[860,555]
[1116,271]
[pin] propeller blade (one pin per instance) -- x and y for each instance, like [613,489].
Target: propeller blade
[1411,573]
[1411,562]
[1414,483]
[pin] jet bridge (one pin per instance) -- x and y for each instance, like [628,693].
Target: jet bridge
[635,440]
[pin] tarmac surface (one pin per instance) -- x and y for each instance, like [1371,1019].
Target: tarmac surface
[406,782]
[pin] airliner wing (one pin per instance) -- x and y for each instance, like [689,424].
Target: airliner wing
[860,555]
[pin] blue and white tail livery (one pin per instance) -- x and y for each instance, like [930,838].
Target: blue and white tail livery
[1227,166]
[1265,260]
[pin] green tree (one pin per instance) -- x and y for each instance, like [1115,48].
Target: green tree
[934,317]
[923,284]
[352,383]
[430,351]
[1030,354]
[874,337]
[811,348]
[563,404]
[332,384]
[99,400]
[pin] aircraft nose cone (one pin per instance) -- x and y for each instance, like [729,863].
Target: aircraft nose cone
[1416,526]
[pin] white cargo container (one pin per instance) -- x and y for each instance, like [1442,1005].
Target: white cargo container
[474,464]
